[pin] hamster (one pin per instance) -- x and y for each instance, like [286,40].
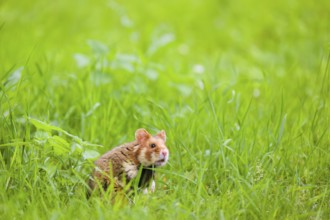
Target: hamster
[122,163]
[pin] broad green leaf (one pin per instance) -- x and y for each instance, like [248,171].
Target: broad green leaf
[81,60]
[15,77]
[60,145]
[160,42]
[44,126]
[98,47]
[90,154]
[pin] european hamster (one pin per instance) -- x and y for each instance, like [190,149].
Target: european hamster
[122,163]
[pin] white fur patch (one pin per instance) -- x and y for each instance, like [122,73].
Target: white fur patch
[130,169]
[153,186]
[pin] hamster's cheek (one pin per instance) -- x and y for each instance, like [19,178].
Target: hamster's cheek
[142,156]
[154,157]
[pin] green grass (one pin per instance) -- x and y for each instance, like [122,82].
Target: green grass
[241,88]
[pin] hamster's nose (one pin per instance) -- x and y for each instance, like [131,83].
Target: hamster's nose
[164,153]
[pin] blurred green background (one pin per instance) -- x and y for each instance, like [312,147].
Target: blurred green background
[241,88]
[200,29]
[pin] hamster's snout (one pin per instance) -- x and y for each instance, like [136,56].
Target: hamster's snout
[164,153]
[163,158]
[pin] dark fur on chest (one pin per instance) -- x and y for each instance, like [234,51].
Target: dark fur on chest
[146,176]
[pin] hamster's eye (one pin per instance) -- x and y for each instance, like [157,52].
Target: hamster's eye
[152,145]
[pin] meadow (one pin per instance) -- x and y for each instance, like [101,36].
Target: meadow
[241,88]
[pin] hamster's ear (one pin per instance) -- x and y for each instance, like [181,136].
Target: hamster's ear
[141,135]
[162,135]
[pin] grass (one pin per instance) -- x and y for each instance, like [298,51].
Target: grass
[241,88]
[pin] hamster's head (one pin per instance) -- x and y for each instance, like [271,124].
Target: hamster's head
[151,149]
